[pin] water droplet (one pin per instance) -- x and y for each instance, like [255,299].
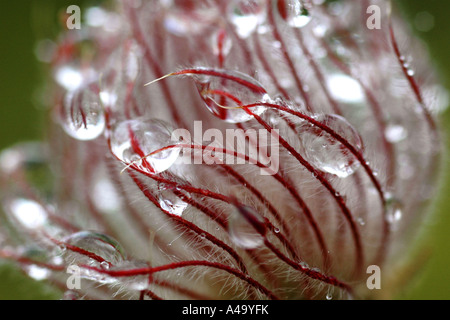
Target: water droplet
[131,61]
[437,98]
[225,92]
[395,133]
[105,197]
[329,296]
[82,115]
[27,205]
[169,201]
[96,17]
[320,30]
[57,260]
[361,221]
[110,22]
[69,77]
[410,72]
[98,244]
[246,228]
[36,272]
[119,75]
[11,160]
[324,151]
[396,214]
[293,12]
[304,265]
[345,89]
[131,140]
[28,213]
[394,208]
[246,16]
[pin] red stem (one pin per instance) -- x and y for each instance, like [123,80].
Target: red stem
[184,264]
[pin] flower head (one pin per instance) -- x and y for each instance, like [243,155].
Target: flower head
[260,149]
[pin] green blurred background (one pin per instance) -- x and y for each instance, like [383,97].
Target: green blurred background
[23,22]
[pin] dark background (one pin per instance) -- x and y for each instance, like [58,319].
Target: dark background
[23,22]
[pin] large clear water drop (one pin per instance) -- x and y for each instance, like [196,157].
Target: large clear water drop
[83,245]
[324,151]
[82,116]
[169,201]
[246,227]
[134,141]
[226,92]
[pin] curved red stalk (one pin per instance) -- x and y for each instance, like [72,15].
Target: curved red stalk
[412,82]
[79,250]
[224,75]
[184,291]
[177,265]
[434,161]
[313,274]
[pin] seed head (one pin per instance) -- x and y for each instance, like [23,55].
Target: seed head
[243,149]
